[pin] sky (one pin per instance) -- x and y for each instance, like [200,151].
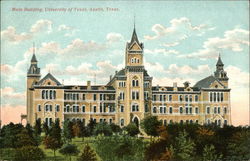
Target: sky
[76,41]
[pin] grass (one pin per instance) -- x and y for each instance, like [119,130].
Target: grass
[8,153]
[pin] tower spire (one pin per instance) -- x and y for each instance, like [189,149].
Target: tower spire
[33,59]
[219,62]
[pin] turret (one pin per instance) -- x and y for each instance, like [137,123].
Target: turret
[220,74]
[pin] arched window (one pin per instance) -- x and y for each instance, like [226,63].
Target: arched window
[133,83]
[218,110]
[160,109]
[121,122]
[196,121]
[46,94]
[67,108]
[50,94]
[54,94]
[215,110]
[154,110]
[180,98]
[196,110]
[138,61]
[132,60]
[83,108]
[43,94]
[136,83]
[164,110]
[190,110]
[225,122]
[225,110]
[219,122]
[191,121]
[186,98]
[181,110]
[181,122]
[208,110]
[170,110]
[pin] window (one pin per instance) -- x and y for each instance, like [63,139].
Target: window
[186,110]
[135,83]
[225,110]
[43,94]
[180,98]
[214,97]
[208,121]
[161,98]
[186,98]
[221,97]
[181,110]
[57,109]
[121,108]
[208,110]
[94,97]
[83,96]
[110,121]
[83,108]
[196,98]
[122,95]
[154,109]
[154,97]
[135,108]
[190,98]
[135,95]
[225,122]
[181,121]
[121,122]
[46,94]
[38,108]
[146,108]
[215,110]
[218,97]
[161,110]
[54,94]
[196,110]
[170,110]
[191,121]
[165,122]
[219,122]
[164,110]
[94,108]
[190,110]
[146,95]
[196,121]
[50,94]
[171,121]
[170,97]
[210,97]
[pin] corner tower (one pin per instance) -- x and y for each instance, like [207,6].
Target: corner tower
[220,74]
[33,76]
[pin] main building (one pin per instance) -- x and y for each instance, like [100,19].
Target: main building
[129,96]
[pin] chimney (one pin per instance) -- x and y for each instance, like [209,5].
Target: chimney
[88,85]
[175,86]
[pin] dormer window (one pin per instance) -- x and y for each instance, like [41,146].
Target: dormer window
[49,83]
[216,86]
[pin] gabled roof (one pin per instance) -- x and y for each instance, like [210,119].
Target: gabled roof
[51,77]
[33,59]
[206,82]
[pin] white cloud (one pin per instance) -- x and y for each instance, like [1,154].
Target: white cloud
[10,34]
[69,31]
[9,92]
[114,37]
[171,44]
[161,51]
[180,28]
[234,40]
[41,26]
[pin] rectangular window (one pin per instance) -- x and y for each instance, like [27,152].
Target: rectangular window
[221,97]
[196,98]
[38,107]
[83,108]
[101,97]
[196,110]
[57,109]
[190,98]
[186,110]
[94,97]
[50,121]
[210,97]
[121,108]
[83,96]
[154,97]
[208,110]
[190,110]
[94,108]
[160,97]
[50,107]
[180,98]
[218,110]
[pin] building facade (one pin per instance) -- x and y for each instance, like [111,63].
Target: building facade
[129,96]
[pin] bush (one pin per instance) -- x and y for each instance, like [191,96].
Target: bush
[103,128]
[69,150]
[29,153]
[132,129]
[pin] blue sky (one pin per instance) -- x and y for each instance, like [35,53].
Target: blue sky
[181,39]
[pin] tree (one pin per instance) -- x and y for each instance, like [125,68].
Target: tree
[91,126]
[46,128]
[52,143]
[184,147]
[150,125]
[9,134]
[115,128]
[69,150]
[29,153]
[239,145]
[154,150]
[103,128]
[29,129]
[24,139]
[37,127]
[168,154]
[132,129]
[209,154]
[68,130]
[88,154]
